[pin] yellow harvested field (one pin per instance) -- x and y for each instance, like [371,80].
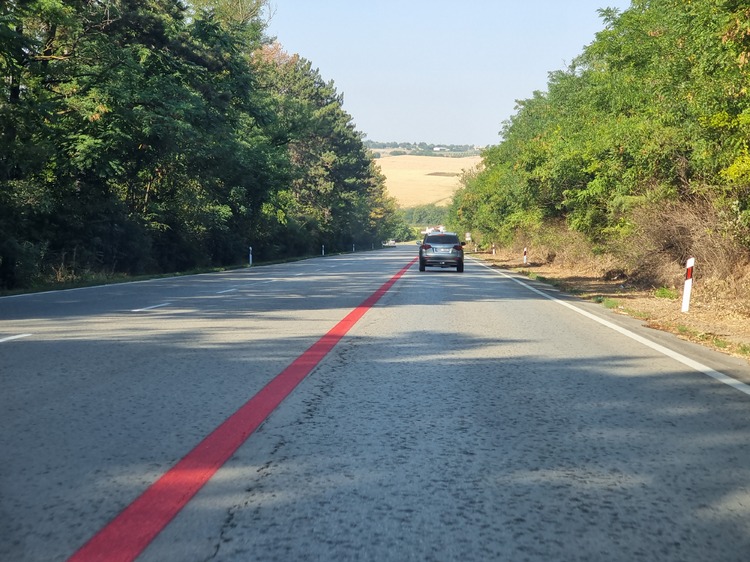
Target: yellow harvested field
[421,180]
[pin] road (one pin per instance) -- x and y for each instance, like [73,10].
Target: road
[473,416]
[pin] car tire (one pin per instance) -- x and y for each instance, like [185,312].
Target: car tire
[460,267]
[421,265]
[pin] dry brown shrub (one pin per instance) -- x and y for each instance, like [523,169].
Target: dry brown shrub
[664,236]
[668,233]
[557,245]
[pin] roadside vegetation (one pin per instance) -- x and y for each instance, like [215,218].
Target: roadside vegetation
[635,158]
[151,136]
[154,136]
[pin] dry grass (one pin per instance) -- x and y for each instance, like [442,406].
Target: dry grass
[668,233]
[422,180]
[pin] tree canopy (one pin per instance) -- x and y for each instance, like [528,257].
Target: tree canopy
[654,113]
[156,136]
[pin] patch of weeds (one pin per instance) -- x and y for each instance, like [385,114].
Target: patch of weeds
[638,314]
[666,293]
[685,331]
[743,349]
[706,337]
[606,302]
[720,343]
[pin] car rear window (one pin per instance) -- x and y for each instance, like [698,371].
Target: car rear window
[441,239]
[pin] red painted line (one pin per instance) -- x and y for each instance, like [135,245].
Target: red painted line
[127,535]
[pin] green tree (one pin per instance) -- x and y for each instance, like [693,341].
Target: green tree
[655,109]
[135,137]
[335,191]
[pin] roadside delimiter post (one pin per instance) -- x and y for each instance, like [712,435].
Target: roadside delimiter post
[688,284]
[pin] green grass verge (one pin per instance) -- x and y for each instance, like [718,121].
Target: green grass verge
[666,293]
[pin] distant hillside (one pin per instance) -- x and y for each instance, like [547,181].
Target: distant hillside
[422,149]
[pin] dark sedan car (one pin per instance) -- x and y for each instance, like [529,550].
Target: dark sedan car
[441,249]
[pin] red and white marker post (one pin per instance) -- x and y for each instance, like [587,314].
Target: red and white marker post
[525,259]
[688,284]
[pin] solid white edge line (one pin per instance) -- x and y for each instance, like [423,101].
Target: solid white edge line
[11,338]
[151,307]
[695,365]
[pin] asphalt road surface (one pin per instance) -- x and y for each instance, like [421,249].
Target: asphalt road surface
[436,416]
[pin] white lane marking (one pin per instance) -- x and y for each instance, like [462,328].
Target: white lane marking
[11,338]
[151,307]
[679,357]
[226,291]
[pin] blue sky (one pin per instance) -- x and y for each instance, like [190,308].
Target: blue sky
[436,71]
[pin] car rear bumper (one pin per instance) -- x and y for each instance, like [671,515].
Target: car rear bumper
[445,261]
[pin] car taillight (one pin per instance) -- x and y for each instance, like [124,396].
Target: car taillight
[458,247]
[426,246]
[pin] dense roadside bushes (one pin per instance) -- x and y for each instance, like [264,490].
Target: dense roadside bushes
[153,136]
[642,145]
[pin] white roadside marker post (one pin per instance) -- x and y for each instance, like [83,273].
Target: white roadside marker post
[525,259]
[688,284]
[250,256]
